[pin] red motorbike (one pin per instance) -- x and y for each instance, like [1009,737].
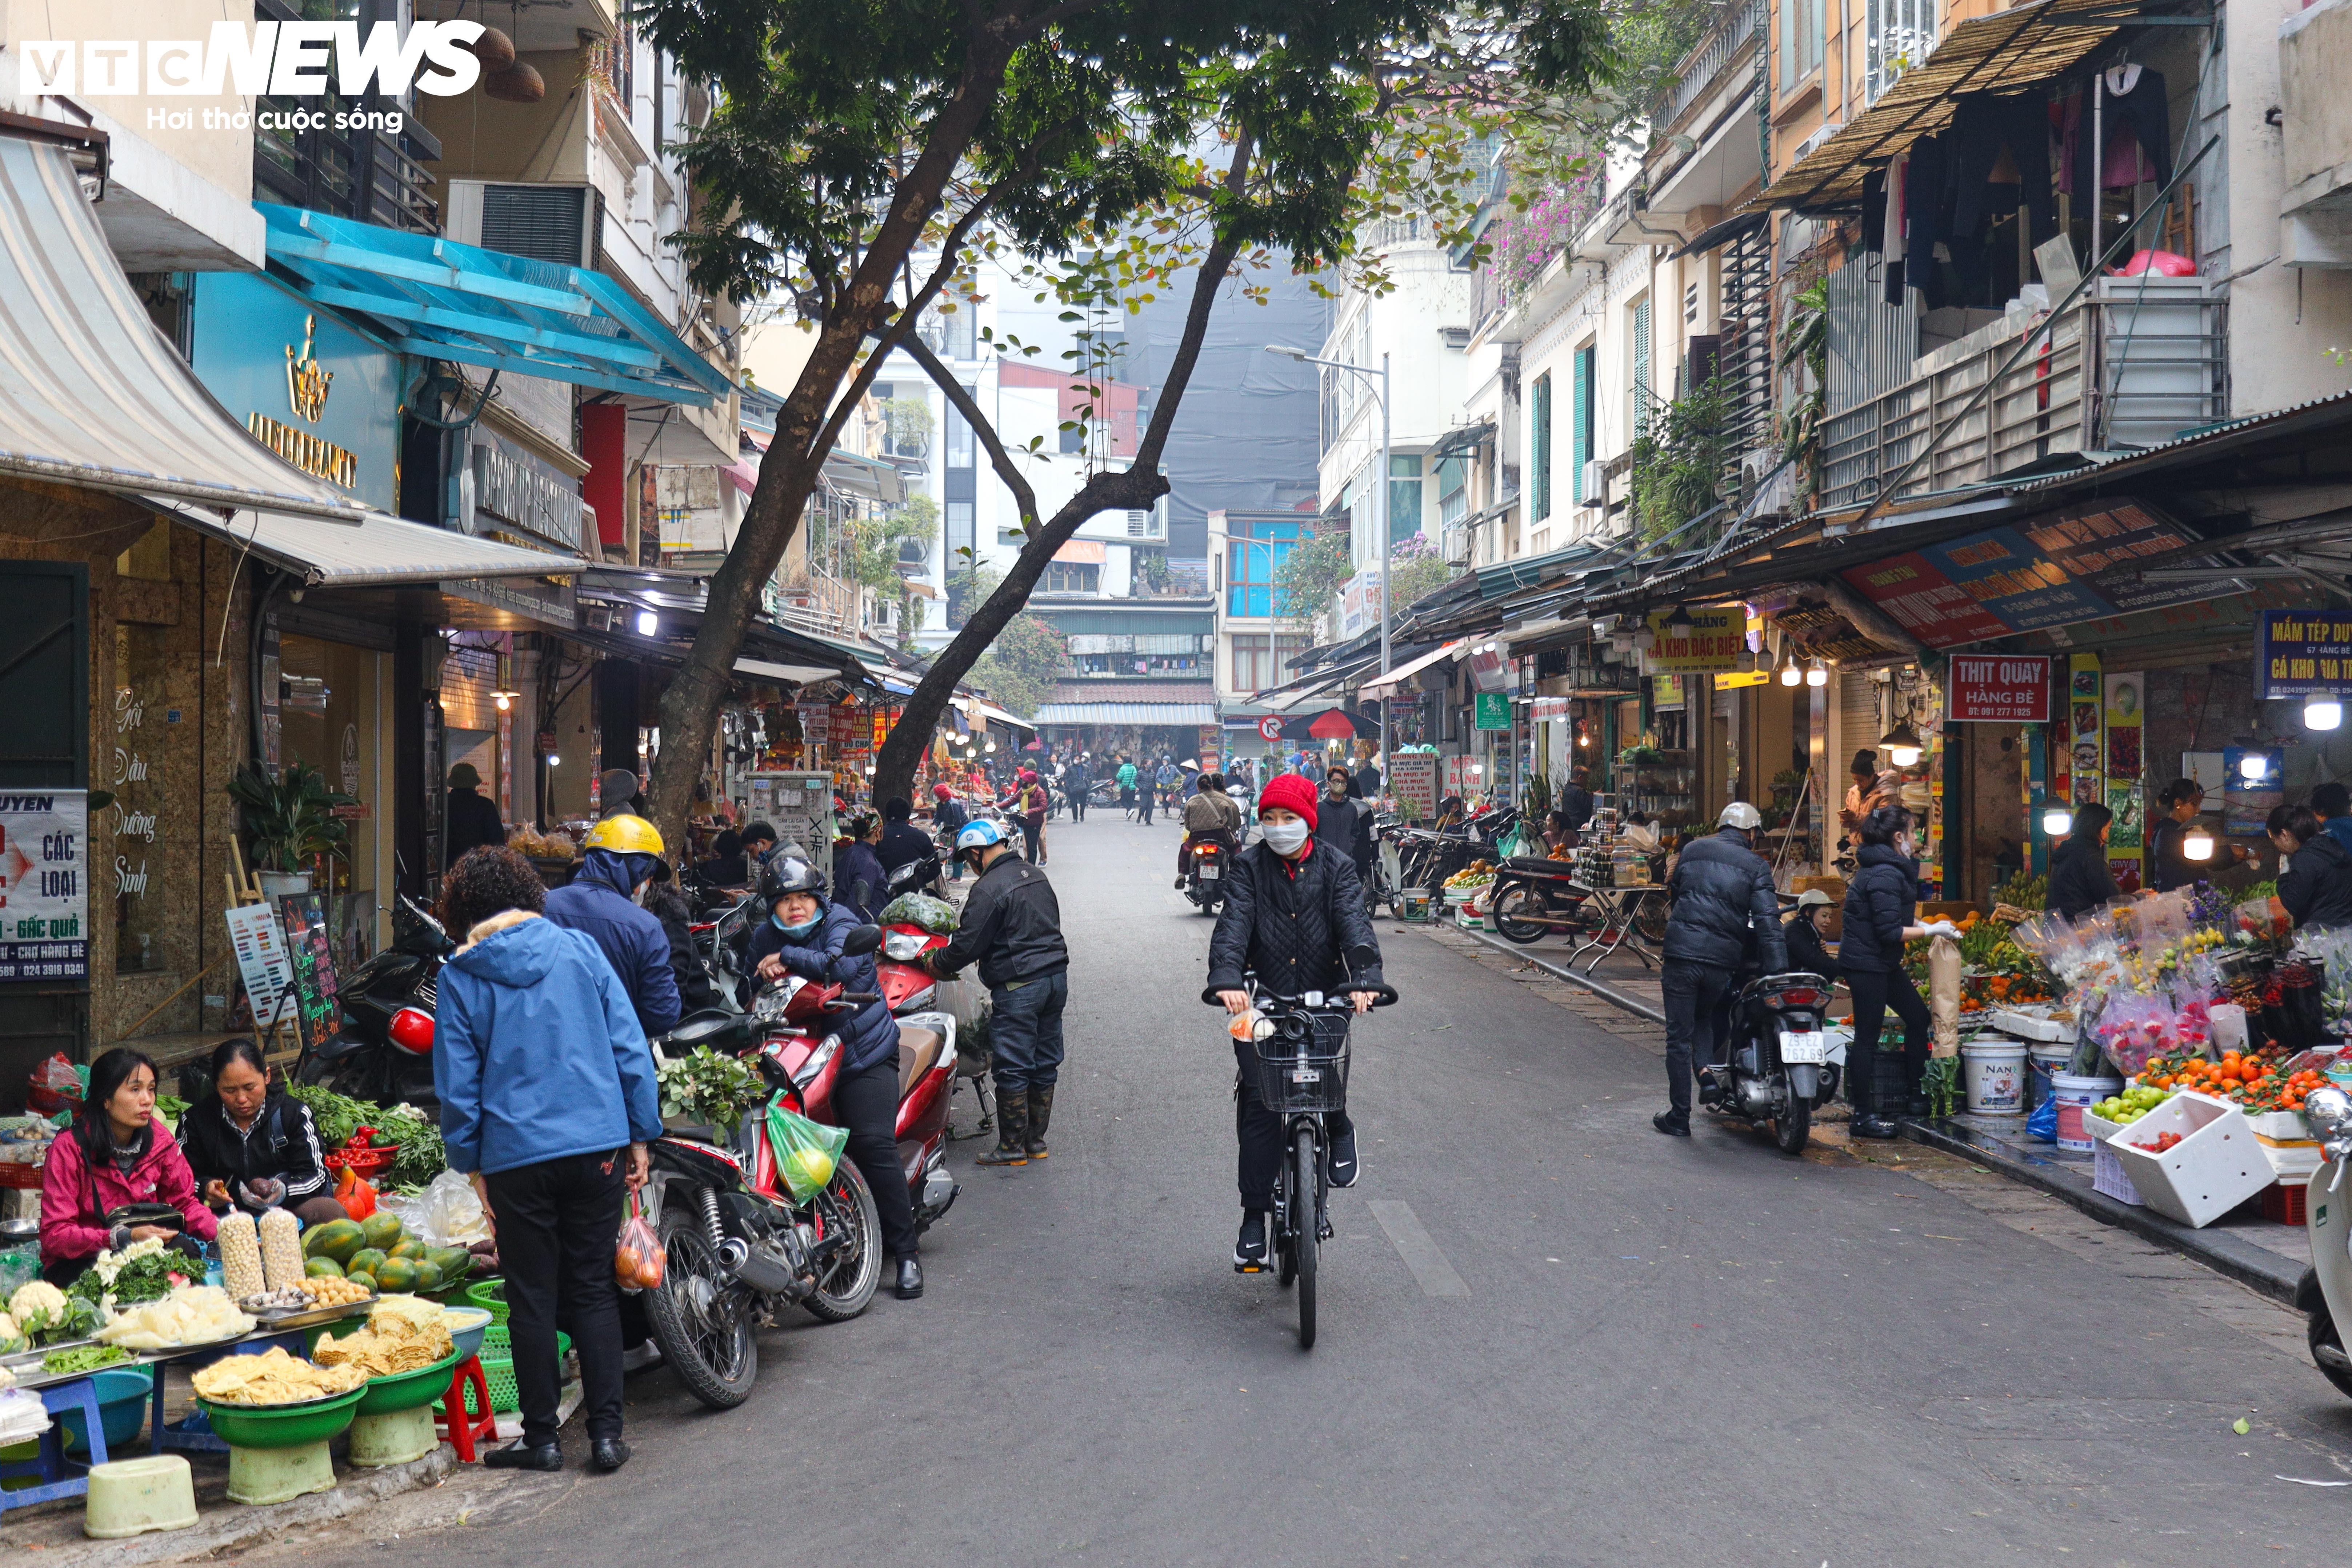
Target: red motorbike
[908,989]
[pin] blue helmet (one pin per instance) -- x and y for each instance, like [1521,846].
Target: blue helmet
[979,834]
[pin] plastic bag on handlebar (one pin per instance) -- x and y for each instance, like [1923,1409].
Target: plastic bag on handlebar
[639,1260]
[934,915]
[806,1152]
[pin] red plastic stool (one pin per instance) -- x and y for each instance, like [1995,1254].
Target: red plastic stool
[460,1428]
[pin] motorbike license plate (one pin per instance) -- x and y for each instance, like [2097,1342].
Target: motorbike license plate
[1211,873]
[1802,1049]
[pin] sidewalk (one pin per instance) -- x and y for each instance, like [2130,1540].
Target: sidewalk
[2254,1251]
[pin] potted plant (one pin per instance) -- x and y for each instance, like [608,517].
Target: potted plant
[289,824]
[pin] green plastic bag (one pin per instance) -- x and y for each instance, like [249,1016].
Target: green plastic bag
[806,1152]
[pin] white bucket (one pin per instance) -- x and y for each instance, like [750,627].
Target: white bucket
[2075,1094]
[2048,1058]
[1993,1070]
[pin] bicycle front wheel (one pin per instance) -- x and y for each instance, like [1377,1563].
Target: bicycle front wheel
[1302,1203]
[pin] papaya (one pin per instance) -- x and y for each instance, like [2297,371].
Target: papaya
[395,1274]
[454,1262]
[337,1239]
[361,1277]
[322,1269]
[428,1276]
[366,1258]
[382,1230]
[409,1246]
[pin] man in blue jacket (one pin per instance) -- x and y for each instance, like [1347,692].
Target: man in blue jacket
[548,1101]
[602,903]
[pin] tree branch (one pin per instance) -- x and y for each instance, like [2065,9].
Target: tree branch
[962,403]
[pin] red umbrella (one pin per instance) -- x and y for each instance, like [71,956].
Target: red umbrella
[1335,724]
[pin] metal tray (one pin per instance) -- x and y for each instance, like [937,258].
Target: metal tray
[278,1320]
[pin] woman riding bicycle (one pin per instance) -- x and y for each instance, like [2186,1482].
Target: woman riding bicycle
[1294,917]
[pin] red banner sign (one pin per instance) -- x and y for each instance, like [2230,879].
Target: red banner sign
[1999,688]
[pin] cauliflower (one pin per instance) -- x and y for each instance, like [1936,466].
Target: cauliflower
[11,1338]
[38,1305]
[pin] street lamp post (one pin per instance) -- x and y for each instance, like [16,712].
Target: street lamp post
[1381,482]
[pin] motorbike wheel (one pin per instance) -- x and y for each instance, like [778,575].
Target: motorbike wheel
[1303,1206]
[1650,921]
[846,1286]
[1512,904]
[1793,1126]
[2321,1331]
[698,1317]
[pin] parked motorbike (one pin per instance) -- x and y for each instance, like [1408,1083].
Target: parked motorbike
[384,1052]
[918,875]
[909,989]
[1776,1067]
[1534,897]
[2325,1293]
[1204,884]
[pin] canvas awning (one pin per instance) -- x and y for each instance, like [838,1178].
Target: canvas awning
[1082,553]
[371,551]
[794,674]
[2000,53]
[978,711]
[90,393]
[1397,678]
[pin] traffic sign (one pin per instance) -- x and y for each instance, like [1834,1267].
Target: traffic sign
[1270,727]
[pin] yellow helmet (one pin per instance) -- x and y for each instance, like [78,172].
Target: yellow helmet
[626,835]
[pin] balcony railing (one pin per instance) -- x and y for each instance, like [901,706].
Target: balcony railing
[368,176]
[1704,65]
[2131,366]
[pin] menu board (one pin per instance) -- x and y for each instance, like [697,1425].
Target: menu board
[45,885]
[311,966]
[260,948]
[1412,778]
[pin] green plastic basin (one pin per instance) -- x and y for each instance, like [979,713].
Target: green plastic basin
[405,1389]
[283,1425]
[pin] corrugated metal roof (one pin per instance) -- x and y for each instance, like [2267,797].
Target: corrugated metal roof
[369,551]
[90,393]
[1135,691]
[1144,713]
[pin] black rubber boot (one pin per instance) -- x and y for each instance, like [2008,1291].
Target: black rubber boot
[1012,1130]
[1672,1125]
[1041,1111]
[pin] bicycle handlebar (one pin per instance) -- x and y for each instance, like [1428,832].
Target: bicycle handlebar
[1382,997]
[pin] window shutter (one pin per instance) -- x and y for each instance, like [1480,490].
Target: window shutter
[1643,392]
[1580,426]
[1539,414]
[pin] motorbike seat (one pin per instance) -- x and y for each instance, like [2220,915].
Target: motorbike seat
[1543,864]
[701,1029]
[918,1052]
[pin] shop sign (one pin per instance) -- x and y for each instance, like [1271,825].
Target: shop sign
[45,885]
[319,394]
[1739,678]
[1551,709]
[1667,691]
[1713,641]
[505,489]
[1493,710]
[2073,567]
[1412,778]
[2000,689]
[1465,777]
[535,598]
[2298,653]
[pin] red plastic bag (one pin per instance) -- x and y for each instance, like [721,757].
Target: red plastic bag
[639,1260]
[2163,263]
[53,1086]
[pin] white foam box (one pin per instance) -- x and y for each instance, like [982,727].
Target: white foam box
[2026,1027]
[2218,1164]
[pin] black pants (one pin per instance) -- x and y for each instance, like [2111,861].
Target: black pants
[557,1223]
[867,1102]
[1147,799]
[1694,995]
[1259,1132]
[1873,993]
[1077,805]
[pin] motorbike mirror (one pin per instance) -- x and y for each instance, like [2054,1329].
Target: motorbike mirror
[2328,1110]
[861,940]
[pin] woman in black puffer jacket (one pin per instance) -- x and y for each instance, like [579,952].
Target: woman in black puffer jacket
[2317,889]
[1880,906]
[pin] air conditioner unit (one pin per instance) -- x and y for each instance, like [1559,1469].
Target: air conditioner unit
[1138,524]
[1595,489]
[557,223]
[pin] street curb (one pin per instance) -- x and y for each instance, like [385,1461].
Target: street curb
[1609,994]
[2255,1266]
[235,1525]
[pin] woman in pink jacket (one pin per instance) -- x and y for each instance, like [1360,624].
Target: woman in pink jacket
[115,1154]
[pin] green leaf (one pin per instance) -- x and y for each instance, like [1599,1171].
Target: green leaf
[2240,1426]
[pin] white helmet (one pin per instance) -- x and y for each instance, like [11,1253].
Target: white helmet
[1742,815]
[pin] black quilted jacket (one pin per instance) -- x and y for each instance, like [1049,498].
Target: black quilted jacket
[1722,899]
[1297,931]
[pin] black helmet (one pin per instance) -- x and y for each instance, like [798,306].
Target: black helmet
[789,874]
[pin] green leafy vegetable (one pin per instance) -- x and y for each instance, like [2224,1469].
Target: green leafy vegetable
[422,1156]
[84,1358]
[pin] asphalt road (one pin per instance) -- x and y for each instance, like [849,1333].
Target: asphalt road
[1659,1350]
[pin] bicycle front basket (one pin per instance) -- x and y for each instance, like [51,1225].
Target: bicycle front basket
[1308,1074]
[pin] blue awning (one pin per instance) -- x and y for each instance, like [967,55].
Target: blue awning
[440,300]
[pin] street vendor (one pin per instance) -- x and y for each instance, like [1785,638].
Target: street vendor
[1870,790]
[2169,868]
[117,1157]
[252,1146]
[2080,877]
[2317,889]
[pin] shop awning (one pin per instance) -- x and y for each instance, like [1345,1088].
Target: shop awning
[1375,688]
[372,552]
[1142,714]
[90,393]
[441,300]
[795,674]
[978,711]
[1082,553]
[2000,53]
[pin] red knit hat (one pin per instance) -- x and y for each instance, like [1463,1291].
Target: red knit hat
[1292,794]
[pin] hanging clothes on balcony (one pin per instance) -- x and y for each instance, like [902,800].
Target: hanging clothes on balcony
[1874,211]
[1927,221]
[1983,126]
[2138,135]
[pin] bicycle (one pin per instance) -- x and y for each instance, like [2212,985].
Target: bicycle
[1301,1047]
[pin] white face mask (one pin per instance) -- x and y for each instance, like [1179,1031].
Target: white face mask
[1286,836]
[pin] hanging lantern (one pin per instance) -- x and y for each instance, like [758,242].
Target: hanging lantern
[1903,745]
[2197,843]
[2057,822]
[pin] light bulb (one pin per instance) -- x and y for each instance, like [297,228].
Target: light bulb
[554,760]
[2254,767]
[2057,820]
[1903,756]
[505,703]
[648,623]
[2197,843]
[1818,675]
[1584,740]
[2322,711]
[1791,675]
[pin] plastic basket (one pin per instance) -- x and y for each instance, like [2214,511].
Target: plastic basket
[21,1174]
[2109,1177]
[1309,1074]
[496,1356]
[2283,1202]
[490,1296]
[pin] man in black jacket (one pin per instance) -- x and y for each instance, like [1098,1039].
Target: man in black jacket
[1721,898]
[1294,917]
[903,843]
[471,820]
[1076,781]
[1340,823]
[1012,926]
[2080,877]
